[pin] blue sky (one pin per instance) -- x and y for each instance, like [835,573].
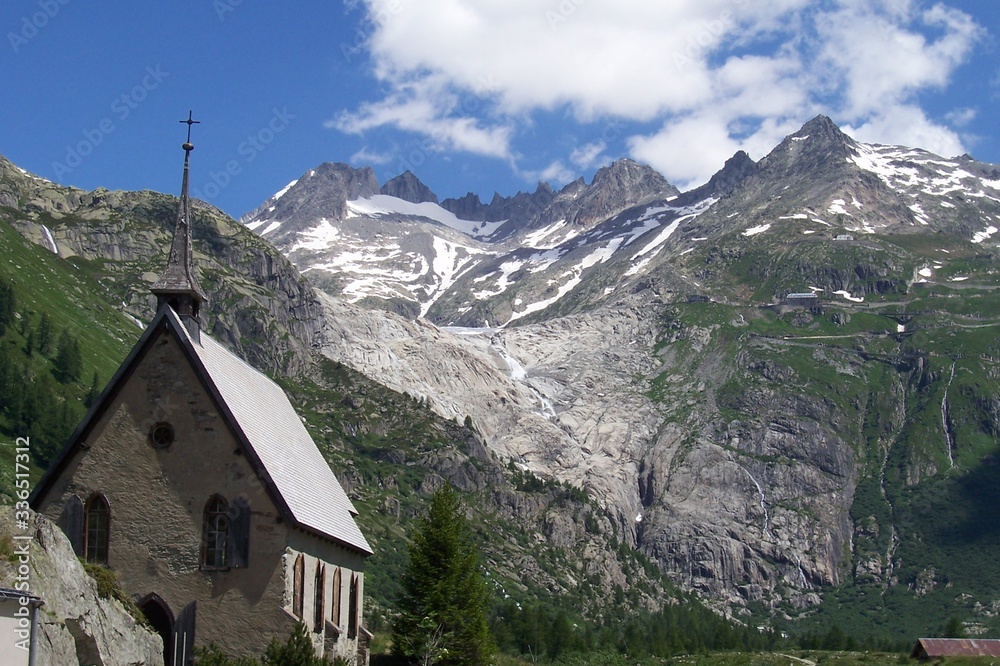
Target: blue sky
[477,95]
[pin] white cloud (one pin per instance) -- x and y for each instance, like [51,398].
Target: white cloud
[907,125]
[588,155]
[365,156]
[428,107]
[715,75]
[883,57]
[556,173]
[961,117]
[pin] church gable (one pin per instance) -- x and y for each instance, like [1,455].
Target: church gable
[250,406]
[161,455]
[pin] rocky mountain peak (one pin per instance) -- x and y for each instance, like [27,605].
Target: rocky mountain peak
[469,207]
[408,187]
[823,126]
[617,187]
[322,192]
[818,151]
[734,172]
[344,179]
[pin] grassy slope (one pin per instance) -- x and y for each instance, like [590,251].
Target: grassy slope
[75,302]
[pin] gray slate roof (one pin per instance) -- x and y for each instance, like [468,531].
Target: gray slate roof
[261,410]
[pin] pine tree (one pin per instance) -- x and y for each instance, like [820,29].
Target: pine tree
[296,651]
[444,601]
[7,305]
[45,335]
[93,393]
[954,628]
[69,359]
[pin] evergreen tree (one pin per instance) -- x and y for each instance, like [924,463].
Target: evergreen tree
[7,305]
[296,651]
[954,628]
[93,393]
[443,606]
[44,335]
[69,359]
[29,343]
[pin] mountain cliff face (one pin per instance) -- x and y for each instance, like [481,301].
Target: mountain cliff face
[635,342]
[262,308]
[780,387]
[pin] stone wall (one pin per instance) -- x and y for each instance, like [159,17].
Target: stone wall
[157,499]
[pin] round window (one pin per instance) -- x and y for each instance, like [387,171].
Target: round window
[162,435]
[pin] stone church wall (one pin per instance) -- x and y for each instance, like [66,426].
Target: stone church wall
[157,499]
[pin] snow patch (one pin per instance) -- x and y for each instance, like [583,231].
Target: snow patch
[847,296]
[574,273]
[383,204]
[280,193]
[836,207]
[980,236]
[753,231]
[319,237]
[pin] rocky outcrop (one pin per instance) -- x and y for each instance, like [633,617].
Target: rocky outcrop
[77,625]
[468,207]
[319,193]
[408,187]
[258,302]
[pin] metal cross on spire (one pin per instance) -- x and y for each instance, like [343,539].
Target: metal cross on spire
[187,144]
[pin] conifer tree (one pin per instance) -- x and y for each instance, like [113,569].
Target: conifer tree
[69,359]
[444,602]
[45,335]
[92,393]
[7,305]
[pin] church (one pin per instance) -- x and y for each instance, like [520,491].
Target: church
[194,480]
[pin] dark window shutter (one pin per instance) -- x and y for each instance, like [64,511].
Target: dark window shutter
[183,636]
[71,523]
[238,546]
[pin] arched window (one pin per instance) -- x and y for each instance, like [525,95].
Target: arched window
[336,597]
[352,613]
[215,533]
[298,583]
[97,531]
[319,593]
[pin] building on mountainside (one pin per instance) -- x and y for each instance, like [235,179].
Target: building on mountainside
[194,480]
[937,648]
[801,299]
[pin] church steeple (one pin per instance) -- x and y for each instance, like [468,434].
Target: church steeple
[178,287]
